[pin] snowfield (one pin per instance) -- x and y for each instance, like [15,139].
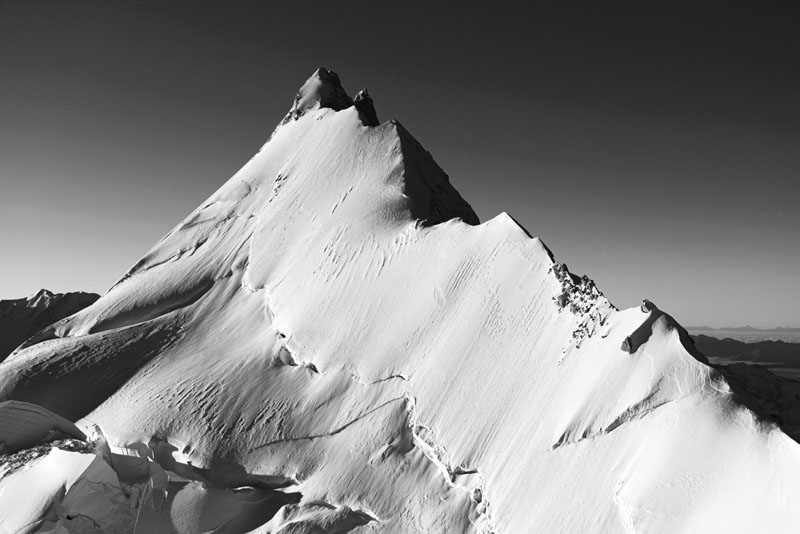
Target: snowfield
[333,343]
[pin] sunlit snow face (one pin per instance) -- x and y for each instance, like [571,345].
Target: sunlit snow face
[332,340]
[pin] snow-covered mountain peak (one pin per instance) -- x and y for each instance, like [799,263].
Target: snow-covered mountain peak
[323,89]
[334,324]
[40,297]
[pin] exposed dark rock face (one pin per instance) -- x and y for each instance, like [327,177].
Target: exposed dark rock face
[366,108]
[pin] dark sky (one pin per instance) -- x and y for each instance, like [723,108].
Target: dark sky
[655,148]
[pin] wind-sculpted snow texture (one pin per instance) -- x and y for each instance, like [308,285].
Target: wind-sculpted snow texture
[335,326]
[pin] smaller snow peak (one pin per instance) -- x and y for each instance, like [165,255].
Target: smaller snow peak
[512,222]
[366,108]
[648,306]
[323,89]
[642,334]
[40,297]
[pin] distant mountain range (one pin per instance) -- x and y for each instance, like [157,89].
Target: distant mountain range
[22,318]
[780,357]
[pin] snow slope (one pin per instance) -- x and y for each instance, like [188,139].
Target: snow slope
[334,328]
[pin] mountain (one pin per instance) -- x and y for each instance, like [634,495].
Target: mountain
[332,342]
[778,356]
[747,328]
[22,318]
[755,335]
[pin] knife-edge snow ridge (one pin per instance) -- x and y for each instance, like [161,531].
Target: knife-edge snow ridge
[335,330]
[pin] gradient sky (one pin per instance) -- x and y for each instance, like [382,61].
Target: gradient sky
[656,149]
